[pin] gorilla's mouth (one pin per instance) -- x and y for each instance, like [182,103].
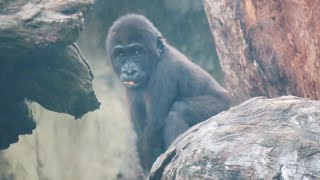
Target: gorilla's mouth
[130,83]
[137,80]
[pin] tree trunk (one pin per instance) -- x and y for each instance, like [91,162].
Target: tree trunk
[267,48]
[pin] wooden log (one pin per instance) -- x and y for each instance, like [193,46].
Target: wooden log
[38,62]
[57,78]
[259,139]
[37,24]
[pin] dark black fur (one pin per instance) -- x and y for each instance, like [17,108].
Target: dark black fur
[169,93]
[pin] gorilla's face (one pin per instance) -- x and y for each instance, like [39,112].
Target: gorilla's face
[134,47]
[130,62]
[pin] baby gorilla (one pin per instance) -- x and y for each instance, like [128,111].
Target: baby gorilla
[166,92]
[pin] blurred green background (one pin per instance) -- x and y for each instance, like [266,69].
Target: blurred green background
[101,144]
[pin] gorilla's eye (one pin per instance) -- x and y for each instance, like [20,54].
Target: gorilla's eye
[137,49]
[118,52]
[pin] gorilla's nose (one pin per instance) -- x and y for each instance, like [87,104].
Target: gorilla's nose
[130,73]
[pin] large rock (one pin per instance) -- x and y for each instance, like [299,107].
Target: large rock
[38,62]
[259,139]
[267,48]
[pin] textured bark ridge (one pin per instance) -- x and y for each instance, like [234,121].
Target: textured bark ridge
[268,48]
[39,23]
[259,139]
[38,62]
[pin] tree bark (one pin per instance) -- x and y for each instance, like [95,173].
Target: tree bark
[259,139]
[39,23]
[267,48]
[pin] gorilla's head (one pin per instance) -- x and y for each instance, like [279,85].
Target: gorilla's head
[134,47]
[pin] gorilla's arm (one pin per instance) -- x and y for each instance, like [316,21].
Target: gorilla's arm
[197,109]
[190,111]
[159,96]
[137,111]
[200,97]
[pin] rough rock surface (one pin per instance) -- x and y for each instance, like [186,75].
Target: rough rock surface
[259,139]
[267,48]
[38,62]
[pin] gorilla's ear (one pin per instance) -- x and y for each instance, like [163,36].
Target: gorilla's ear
[160,44]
